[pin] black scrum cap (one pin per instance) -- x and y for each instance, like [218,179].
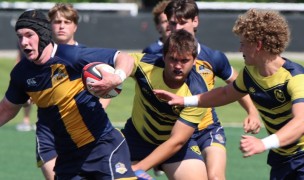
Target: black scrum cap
[37,21]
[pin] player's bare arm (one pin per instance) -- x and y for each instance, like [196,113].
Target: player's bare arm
[8,110]
[216,97]
[288,134]
[252,123]
[179,136]
[124,62]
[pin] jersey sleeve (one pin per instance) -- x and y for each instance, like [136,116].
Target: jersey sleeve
[137,58]
[239,83]
[88,55]
[221,66]
[15,93]
[296,88]
[192,116]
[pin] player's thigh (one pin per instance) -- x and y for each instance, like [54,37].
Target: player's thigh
[48,169]
[193,169]
[215,159]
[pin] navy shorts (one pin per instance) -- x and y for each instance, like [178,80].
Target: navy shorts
[289,167]
[213,135]
[139,148]
[45,145]
[106,159]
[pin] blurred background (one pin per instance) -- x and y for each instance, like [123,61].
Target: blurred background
[128,24]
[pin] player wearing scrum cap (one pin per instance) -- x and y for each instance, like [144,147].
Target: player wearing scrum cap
[88,146]
[64,20]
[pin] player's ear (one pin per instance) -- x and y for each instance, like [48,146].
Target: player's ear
[259,45]
[195,22]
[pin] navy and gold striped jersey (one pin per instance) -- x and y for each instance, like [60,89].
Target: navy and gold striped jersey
[74,116]
[211,64]
[152,117]
[274,96]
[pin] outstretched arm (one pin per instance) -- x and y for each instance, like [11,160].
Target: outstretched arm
[216,97]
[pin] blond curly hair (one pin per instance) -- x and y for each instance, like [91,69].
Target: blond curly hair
[267,26]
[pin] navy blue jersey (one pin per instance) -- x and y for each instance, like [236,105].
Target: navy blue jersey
[155,48]
[211,64]
[74,116]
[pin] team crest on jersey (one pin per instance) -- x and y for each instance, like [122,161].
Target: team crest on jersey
[120,168]
[279,95]
[196,150]
[176,109]
[219,138]
[251,90]
[202,69]
[59,74]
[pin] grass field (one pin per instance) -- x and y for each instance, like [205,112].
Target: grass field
[17,149]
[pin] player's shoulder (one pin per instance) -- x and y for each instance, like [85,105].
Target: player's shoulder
[154,48]
[293,68]
[207,53]
[152,59]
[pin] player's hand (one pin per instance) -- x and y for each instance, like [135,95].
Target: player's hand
[170,97]
[106,84]
[251,145]
[143,175]
[252,124]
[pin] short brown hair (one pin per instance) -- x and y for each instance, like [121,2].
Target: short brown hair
[181,42]
[66,10]
[267,26]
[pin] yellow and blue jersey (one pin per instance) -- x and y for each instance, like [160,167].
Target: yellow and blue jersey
[274,96]
[74,116]
[153,118]
[211,64]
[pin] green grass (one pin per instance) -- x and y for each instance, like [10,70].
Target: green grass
[17,149]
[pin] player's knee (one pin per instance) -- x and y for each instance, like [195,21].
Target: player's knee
[215,176]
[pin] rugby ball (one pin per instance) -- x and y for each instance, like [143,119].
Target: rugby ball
[91,74]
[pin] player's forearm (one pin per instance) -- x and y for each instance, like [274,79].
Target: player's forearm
[8,111]
[291,132]
[217,97]
[159,155]
[125,63]
[248,105]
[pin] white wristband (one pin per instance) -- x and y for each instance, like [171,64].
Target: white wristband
[271,142]
[191,101]
[121,74]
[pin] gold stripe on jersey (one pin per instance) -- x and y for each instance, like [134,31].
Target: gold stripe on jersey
[273,97]
[61,84]
[152,117]
[206,71]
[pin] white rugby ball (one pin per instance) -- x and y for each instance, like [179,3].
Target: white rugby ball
[91,74]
